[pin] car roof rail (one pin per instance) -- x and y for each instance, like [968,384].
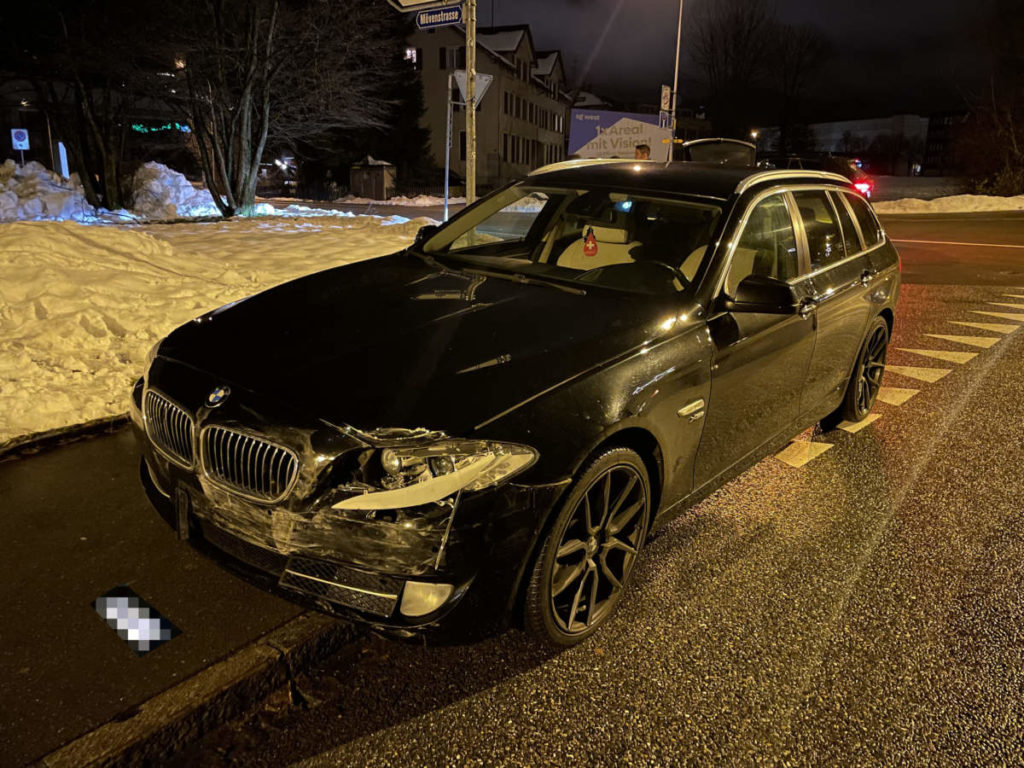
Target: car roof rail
[583,162]
[795,175]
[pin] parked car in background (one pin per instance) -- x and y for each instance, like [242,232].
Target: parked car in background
[485,428]
[844,166]
[721,151]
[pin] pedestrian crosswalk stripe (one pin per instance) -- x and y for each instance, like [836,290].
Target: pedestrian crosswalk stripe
[993,327]
[895,395]
[799,452]
[1011,306]
[853,427]
[1012,296]
[931,375]
[1000,315]
[940,354]
[975,341]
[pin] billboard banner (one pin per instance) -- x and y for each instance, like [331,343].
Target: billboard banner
[596,133]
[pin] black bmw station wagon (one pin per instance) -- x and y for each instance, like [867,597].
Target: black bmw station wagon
[486,427]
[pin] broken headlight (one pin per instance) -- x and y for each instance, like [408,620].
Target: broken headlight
[400,477]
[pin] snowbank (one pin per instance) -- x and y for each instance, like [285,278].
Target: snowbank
[80,306]
[420,201]
[34,193]
[954,204]
[161,193]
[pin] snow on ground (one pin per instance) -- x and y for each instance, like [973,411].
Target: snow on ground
[920,187]
[954,204]
[80,306]
[420,201]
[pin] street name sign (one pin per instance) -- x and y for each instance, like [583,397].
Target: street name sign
[439,17]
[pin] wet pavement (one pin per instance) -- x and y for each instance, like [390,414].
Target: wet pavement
[78,525]
[864,608]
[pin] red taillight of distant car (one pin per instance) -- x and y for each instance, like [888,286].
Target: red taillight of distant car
[864,187]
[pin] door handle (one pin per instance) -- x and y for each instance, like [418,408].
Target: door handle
[867,276]
[806,307]
[694,410]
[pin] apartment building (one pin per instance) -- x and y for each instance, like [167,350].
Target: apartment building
[523,117]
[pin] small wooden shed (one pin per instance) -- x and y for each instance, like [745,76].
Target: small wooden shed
[372,178]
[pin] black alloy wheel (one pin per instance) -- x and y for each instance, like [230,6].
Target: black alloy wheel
[589,555]
[866,379]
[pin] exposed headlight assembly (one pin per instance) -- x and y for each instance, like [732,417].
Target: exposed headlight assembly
[411,476]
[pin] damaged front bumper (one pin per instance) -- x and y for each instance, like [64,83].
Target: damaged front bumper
[452,567]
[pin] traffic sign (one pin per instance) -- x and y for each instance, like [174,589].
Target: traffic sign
[483,82]
[19,138]
[408,6]
[439,17]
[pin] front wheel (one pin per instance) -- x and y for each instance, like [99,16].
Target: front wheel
[588,557]
[866,379]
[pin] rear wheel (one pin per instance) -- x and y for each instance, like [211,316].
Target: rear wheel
[866,379]
[588,557]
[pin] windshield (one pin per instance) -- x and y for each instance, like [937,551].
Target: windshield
[615,239]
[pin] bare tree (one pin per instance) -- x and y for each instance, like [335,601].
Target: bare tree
[250,71]
[730,44]
[797,56]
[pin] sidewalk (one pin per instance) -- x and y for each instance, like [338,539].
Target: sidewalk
[77,524]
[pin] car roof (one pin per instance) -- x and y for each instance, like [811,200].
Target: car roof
[677,178]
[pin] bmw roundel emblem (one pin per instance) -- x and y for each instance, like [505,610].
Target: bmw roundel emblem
[218,396]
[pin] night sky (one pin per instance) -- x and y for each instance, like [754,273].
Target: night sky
[889,56]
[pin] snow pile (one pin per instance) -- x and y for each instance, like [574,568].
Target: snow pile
[80,306]
[161,193]
[420,201]
[954,204]
[33,192]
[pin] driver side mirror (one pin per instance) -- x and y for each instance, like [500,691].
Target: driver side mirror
[760,293]
[425,233]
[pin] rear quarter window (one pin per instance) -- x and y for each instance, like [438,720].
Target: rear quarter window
[869,226]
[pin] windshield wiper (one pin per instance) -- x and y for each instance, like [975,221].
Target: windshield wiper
[519,277]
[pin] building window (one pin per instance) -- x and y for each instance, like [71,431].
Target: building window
[443,59]
[504,147]
[413,55]
[462,145]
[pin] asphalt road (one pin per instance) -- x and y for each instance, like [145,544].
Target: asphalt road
[76,525]
[865,608]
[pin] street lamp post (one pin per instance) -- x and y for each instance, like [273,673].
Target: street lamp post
[675,78]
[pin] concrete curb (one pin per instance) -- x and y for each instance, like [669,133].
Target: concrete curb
[163,725]
[41,441]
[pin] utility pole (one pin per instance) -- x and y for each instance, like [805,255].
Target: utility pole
[470,12]
[675,79]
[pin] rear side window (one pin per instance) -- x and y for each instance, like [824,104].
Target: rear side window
[869,226]
[850,238]
[823,236]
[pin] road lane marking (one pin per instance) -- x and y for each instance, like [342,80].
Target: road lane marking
[940,354]
[853,427]
[1003,328]
[970,245]
[895,395]
[931,375]
[1011,306]
[1012,296]
[1000,315]
[974,341]
[800,452]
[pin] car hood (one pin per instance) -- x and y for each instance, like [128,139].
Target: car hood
[394,342]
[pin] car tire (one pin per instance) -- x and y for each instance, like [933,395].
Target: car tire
[589,555]
[866,379]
